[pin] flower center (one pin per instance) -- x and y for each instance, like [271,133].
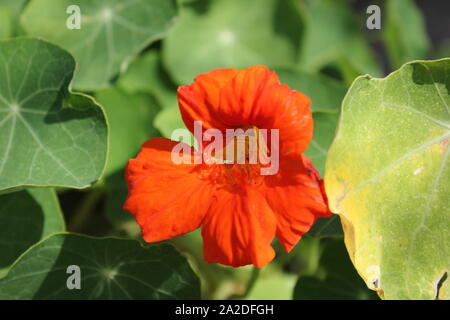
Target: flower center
[240,161]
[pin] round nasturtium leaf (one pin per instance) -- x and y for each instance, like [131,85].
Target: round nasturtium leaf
[326,94]
[108,269]
[111,34]
[27,217]
[387,176]
[48,137]
[214,34]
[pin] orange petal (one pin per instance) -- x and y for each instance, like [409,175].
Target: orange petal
[166,199]
[287,110]
[200,100]
[227,98]
[238,229]
[297,197]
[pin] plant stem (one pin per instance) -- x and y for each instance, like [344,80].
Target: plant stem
[251,283]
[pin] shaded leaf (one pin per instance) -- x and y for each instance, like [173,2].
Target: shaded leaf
[27,217]
[336,278]
[326,227]
[110,269]
[116,194]
[48,136]
[112,33]
[387,176]
[211,35]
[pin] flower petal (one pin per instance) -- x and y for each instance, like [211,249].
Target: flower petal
[238,229]
[297,198]
[229,99]
[200,100]
[166,199]
[287,110]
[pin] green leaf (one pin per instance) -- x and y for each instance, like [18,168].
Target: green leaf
[272,284]
[112,33]
[324,130]
[387,176]
[27,217]
[116,194]
[169,120]
[146,74]
[231,34]
[339,40]
[326,228]
[9,17]
[130,118]
[110,269]
[336,278]
[5,22]
[48,136]
[15,6]
[325,93]
[404,33]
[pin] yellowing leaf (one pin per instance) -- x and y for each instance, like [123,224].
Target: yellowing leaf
[388,174]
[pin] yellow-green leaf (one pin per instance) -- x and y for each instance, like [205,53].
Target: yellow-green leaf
[388,174]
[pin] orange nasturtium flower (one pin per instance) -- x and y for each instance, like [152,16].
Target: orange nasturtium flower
[239,209]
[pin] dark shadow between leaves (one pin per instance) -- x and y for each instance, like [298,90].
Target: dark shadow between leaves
[200,7]
[74,106]
[288,24]
[20,214]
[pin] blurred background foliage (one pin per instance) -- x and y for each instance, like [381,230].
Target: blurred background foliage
[315,46]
